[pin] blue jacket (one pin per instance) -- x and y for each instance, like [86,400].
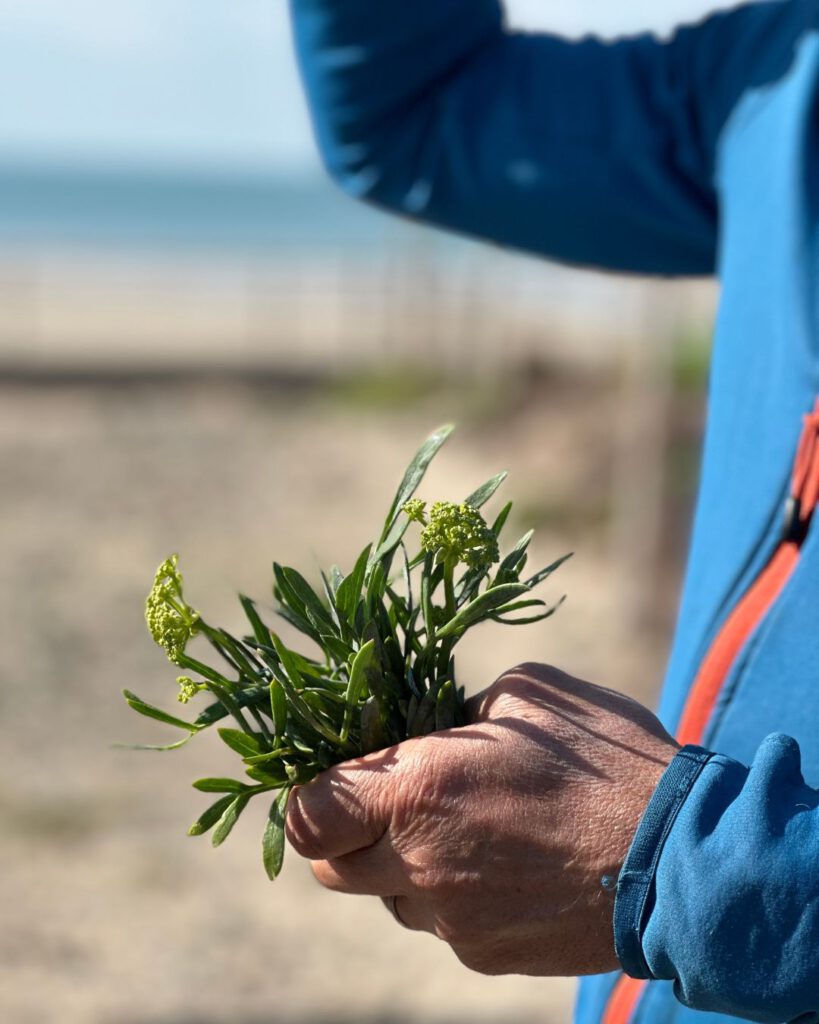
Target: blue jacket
[698,155]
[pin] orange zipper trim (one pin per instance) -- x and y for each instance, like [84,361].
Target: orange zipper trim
[726,647]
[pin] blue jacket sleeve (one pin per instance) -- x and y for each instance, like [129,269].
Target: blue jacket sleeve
[720,889]
[592,153]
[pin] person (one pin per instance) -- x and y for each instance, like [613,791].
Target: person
[563,830]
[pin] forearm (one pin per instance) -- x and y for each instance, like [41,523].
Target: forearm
[581,151]
[730,910]
[366,66]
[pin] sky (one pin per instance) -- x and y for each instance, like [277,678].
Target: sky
[200,83]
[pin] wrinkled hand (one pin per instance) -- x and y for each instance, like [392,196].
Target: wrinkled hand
[495,836]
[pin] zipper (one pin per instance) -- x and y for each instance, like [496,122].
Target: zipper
[746,616]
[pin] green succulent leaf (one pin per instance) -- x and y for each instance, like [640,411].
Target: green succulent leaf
[219,786]
[543,574]
[271,775]
[216,712]
[391,541]
[415,474]
[278,707]
[514,561]
[149,711]
[479,497]
[293,682]
[365,661]
[349,590]
[303,599]
[154,746]
[500,521]
[481,607]
[260,630]
[529,619]
[273,838]
[224,826]
[207,820]
[241,742]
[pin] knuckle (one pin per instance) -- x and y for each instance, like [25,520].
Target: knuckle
[302,835]
[449,930]
[424,781]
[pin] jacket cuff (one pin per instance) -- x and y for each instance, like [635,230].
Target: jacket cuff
[635,885]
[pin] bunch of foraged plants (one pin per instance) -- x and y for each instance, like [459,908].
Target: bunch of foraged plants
[381,665]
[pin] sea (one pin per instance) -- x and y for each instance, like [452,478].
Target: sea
[63,207]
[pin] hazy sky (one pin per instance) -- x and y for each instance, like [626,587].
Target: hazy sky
[205,82]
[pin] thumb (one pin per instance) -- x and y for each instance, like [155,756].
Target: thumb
[346,808]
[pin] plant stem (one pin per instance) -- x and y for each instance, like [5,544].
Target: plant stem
[451,610]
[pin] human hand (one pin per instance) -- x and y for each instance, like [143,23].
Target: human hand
[495,836]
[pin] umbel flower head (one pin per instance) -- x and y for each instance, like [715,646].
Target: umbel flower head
[171,621]
[455,533]
[188,689]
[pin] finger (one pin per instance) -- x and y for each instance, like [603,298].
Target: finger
[376,871]
[475,707]
[346,808]
[414,914]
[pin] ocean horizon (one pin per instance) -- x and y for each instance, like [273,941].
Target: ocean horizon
[45,207]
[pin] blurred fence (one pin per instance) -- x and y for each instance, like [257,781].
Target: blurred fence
[301,312]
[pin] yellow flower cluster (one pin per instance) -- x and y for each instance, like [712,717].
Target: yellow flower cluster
[171,621]
[456,533]
[188,689]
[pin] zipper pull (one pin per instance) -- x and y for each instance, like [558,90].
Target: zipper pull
[804,496]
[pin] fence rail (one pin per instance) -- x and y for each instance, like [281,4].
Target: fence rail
[305,313]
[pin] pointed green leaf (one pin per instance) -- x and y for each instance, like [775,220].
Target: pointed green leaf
[514,606]
[241,742]
[366,660]
[288,662]
[539,577]
[154,746]
[273,838]
[349,590]
[219,786]
[302,598]
[149,711]
[241,657]
[445,707]
[376,587]
[292,682]
[337,648]
[531,618]
[260,630]
[224,826]
[301,622]
[500,522]
[278,707]
[216,712]
[480,497]
[271,755]
[415,473]
[330,594]
[275,774]
[482,606]
[207,820]
[391,541]
[512,560]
